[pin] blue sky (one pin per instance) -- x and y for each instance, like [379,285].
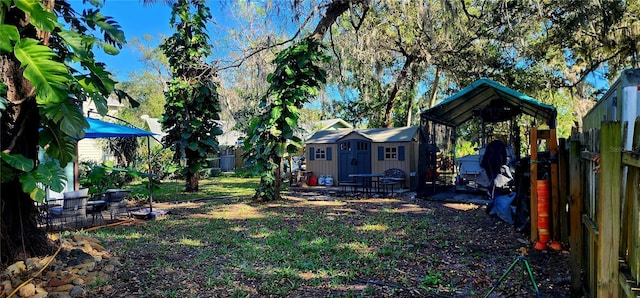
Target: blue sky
[136,20]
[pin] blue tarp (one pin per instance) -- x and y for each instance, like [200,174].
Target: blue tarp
[100,129]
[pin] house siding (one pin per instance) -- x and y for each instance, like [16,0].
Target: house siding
[91,150]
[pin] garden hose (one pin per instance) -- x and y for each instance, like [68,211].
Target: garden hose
[39,271]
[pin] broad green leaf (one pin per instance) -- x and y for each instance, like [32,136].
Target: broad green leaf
[122,95]
[294,145]
[58,145]
[101,77]
[3,104]
[276,112]
[51,175]
[18,161]
[80,44]
[40,17]
[8,33]
[50,78]
[275,131]
[92,91]
[300,49]
[108,49]
[290,73]
[30,185]
[3,99]
[69,118]
[111,28]
[281,149]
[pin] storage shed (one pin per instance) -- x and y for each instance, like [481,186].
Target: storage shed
[362,151]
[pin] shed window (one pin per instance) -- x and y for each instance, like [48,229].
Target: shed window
[391,153]
[320,153]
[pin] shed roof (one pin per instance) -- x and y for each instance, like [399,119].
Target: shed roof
[376,135]
[490,100]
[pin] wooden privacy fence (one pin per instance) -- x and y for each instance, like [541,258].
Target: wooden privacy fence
[604,212]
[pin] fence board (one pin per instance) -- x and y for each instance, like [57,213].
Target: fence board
[632,216]
[632,213]
[555,191]
[609,210]
[563,178]
[575,215]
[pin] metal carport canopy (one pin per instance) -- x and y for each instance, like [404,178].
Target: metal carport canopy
[461,107]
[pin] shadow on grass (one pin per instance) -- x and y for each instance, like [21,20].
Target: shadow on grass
[298,247]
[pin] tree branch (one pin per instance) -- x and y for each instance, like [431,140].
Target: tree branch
[334,10]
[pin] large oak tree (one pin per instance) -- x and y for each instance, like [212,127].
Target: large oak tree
[47,68]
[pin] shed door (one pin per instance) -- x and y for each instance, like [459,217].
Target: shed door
[354,157]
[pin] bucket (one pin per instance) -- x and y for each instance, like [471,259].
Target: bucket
[543,222]
[542,190]
[328,181]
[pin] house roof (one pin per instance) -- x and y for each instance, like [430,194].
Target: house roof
[307,129]
[491,101]
[376,135]
[333,124]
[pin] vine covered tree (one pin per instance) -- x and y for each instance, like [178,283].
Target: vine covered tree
[297,78]
[271,137]
[39,98]
[192,108]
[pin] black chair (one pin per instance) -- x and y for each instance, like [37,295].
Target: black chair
[392,177]
[71,210]
[116,202]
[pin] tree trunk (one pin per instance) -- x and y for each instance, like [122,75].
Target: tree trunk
[277,183]
[19,234]
[434,88]
[192,180]
[396,88]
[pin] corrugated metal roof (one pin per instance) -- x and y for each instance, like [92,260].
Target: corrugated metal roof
[467,103]
[376,135]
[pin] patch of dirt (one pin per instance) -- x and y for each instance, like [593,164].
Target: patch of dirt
[469,249]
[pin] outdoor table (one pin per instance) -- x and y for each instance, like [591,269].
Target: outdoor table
[95,208]
[368,181]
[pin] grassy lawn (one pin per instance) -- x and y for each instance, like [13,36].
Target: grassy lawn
[244,249]
[215,187]
[308,246]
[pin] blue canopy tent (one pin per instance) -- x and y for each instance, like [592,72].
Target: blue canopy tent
[101,129]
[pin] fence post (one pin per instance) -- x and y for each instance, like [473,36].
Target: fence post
[563,179]
[608,212]
[575,215]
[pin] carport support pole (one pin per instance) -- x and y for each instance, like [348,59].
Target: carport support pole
[149,174]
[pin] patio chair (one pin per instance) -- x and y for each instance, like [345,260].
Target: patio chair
[72,209]
[391,178]
[115,202]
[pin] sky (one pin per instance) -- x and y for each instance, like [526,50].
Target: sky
[135,20]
